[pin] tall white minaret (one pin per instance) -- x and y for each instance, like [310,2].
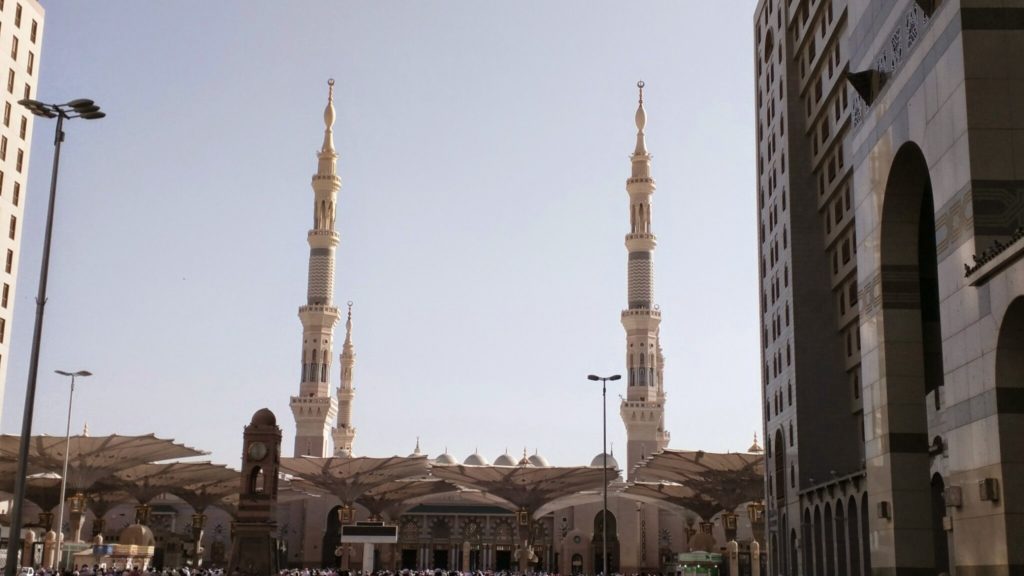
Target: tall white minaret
[643,409]
[314,408]
[345,433]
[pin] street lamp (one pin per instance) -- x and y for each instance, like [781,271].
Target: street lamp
[67,450]
[80,108]
[604,464]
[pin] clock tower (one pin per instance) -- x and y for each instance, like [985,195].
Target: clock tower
[254,550]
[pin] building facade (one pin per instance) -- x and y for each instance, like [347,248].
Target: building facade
[21,30]
[892,286]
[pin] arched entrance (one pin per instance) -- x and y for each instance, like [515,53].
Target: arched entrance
[332,540]
[598,542]
[577,565]
[1009,394]
[938,532]
[911,370]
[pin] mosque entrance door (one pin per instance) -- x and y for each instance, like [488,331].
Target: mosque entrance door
[409,559]
[502,560]
[440,559]
[577,565]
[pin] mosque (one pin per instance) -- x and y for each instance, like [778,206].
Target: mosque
[470,530]
[512,512]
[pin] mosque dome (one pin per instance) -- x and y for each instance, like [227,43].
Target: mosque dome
[475,459]
[702,542]
[524,461]
[755,448]
[445,458]
[504,460]
[264,417]
[539,461]
[343,453]
[138,535]
[598,461]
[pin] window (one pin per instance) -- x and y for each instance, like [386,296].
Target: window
[28,91]
[31,61]
[10,81]
[14,227]
[3,147]
[14,48]
[3,329]
[21,160]
[32,33]
[7,113]
[17,15]
[5,295]
[10,261]
[1,182]
[17,193]
[23,128]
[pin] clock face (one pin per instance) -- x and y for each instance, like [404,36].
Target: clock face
[257,451]
[576,539]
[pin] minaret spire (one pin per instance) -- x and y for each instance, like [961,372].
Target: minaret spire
[345,433]
[643,409]
[314,408]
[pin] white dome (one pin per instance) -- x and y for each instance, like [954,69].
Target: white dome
[598,462]
[504,460]
[445,458]
[539,461]
[475,459]
[525,462]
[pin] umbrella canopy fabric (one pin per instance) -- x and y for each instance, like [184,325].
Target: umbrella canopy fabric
[726,479]
[350,478]
[147,481]
[92,458]
[399,494]
[524,486]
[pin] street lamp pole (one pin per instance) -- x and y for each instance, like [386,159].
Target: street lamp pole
[80,108]
[67,450]
[604,464]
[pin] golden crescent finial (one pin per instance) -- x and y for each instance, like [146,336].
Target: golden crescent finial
[330,88]
[640,85]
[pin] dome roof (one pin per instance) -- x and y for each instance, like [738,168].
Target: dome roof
[702,542]
[445,458]
[539,461]
[504,460]
[598,461]
[755,448]
[138,534]
[264,417]
[524,461]
[475,459]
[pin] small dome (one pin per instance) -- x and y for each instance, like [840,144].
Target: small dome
[504,460]
[524,461]
[598,462]
[264,417]
[343,453]
[138,534]
[755,448]
[539,461]
[475,459]
[445,458]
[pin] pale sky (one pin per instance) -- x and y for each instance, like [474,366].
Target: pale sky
[484,149]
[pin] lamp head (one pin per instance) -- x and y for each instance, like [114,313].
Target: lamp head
[615,377]
[593,377]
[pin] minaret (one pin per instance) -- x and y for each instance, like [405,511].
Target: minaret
[643,409]
[345,433]
[314,408]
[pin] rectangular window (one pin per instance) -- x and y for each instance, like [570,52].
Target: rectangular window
[28,91]
[17,193]
[7,113]
[14,48]
[3,329]
[3,147]
[31,62]
[14,227]
[5,295]
[9,265]
[20,161]
[1,182]
[17,15]
[10,81]
[32,33]
[23,128]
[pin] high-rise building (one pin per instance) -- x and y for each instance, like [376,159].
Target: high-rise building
[891,219]
[643,408]
[21,28]
[315,407]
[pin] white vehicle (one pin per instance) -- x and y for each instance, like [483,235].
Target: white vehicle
[26,571]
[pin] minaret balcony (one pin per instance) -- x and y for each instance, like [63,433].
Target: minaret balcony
[331,178]
[641,242]
[323,238]
[311,313]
